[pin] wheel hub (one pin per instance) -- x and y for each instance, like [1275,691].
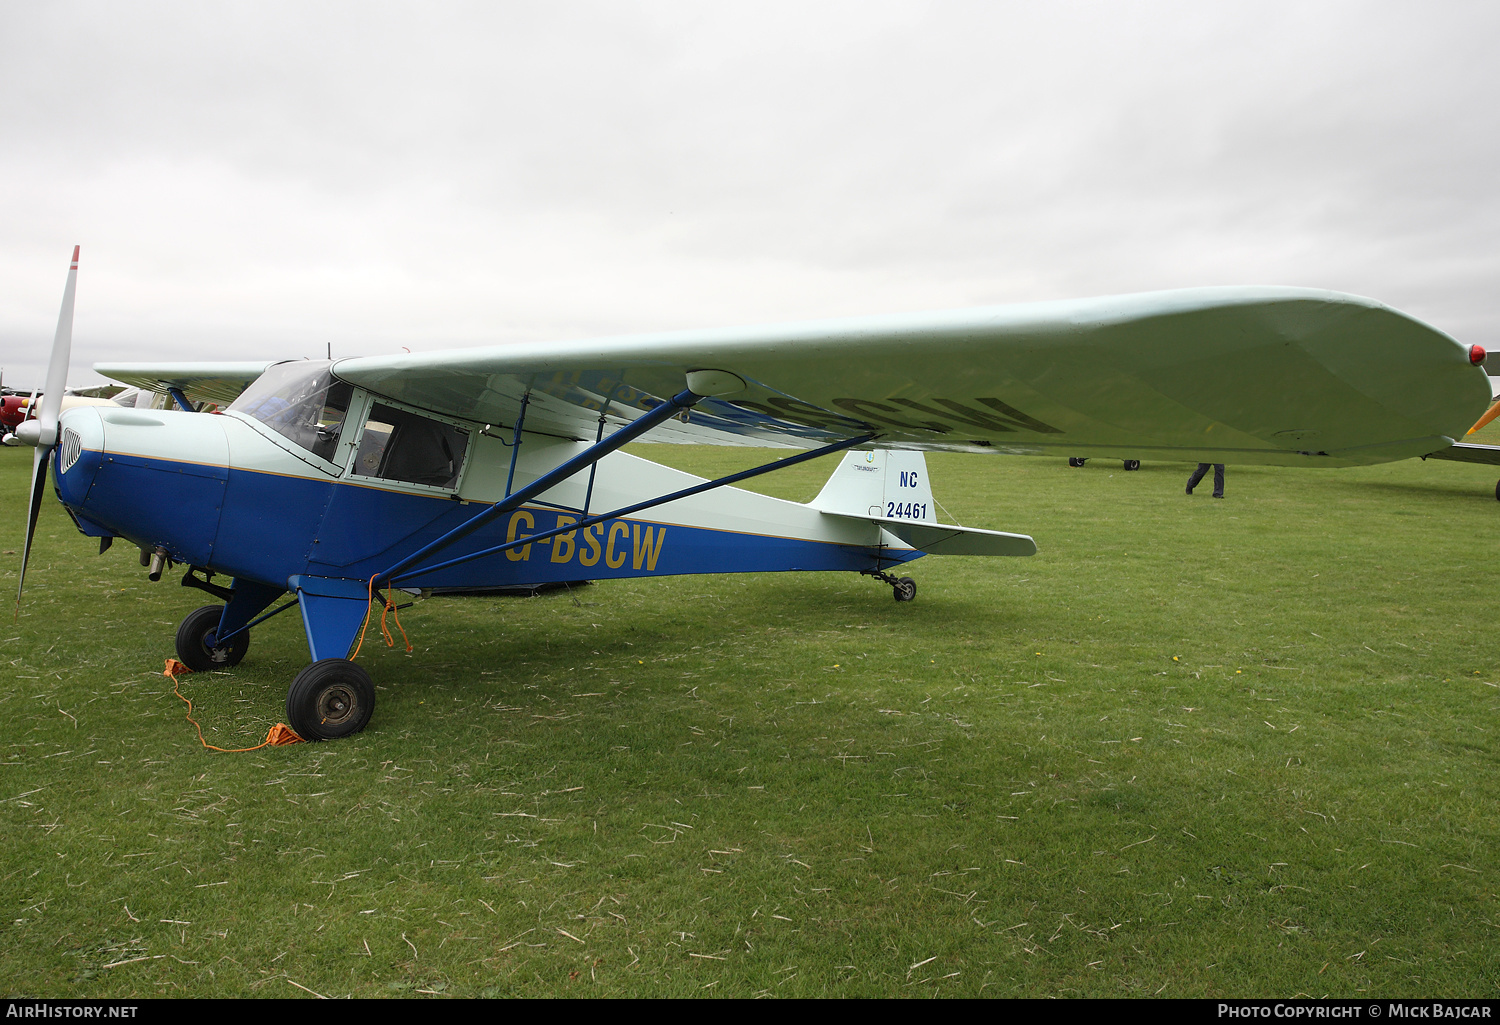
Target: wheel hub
[216,651]
[337,704]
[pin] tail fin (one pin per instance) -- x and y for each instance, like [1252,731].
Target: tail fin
[881,484]
[891,489]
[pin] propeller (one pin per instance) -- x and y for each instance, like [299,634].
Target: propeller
[42,431]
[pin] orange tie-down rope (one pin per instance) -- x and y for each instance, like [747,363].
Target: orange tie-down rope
[281,733]
[276,736]
[388,607]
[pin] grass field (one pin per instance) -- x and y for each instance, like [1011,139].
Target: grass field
[1192,748]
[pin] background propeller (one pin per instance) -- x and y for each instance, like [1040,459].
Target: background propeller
[42,430]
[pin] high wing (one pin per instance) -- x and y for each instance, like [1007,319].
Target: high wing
[1243,375]
[219,383]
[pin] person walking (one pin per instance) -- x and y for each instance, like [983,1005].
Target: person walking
[1218,478]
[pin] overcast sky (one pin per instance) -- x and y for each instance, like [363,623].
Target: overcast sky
[259,180]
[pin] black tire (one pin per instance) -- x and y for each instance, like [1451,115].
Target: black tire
[1132,464]
[195,642]
[905,589]
[1497,490]
[1076,461]
[329,699]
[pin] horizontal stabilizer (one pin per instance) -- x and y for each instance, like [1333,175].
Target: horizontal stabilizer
[944,539]
[1466,453]
[891,489]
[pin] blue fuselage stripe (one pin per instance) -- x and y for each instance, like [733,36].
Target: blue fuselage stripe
[267,527]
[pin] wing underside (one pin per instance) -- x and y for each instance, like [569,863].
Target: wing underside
[1245,375]
[219,383]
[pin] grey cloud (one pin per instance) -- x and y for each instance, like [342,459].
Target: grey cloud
[259,180]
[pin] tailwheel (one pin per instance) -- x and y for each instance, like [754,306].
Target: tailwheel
[200,650]
[1132,464]
[1076,461]
[329,699]
[905,588]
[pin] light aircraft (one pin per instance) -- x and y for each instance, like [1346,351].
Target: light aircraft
[341,483]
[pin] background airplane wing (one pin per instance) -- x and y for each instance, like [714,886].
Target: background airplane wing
[1242,375]
[220,383]
[1467,452]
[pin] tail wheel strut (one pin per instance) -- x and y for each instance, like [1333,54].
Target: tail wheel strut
[904,588]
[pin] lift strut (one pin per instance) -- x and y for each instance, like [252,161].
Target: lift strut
[684,399]
[696,489]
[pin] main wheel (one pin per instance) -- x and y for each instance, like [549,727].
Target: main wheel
[197,647]
[329,699]
[1132,464]
[905,588]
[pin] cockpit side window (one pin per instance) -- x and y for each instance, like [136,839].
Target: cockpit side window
[300,401]
[403,446]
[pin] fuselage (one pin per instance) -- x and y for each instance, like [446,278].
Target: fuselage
[232,494]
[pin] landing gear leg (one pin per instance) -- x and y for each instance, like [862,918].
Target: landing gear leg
[333,697]
[905,588]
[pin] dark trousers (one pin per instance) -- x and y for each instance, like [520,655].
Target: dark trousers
[1218,478]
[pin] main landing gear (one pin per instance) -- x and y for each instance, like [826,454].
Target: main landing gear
[330,698]
[200,650]
[904,588]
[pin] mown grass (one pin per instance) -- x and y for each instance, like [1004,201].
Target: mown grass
[1192,748]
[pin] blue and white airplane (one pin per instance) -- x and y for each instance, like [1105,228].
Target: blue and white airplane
[337,483]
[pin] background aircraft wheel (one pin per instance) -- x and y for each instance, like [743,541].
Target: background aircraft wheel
[1132,464]
[195,642]
[905,588]
[1497,490]
[329,699]
[1075,461]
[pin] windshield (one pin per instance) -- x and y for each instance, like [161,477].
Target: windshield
[300,401]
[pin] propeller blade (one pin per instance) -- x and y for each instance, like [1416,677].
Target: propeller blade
[38,486]
[47,414]
[1494,411]
[57,368]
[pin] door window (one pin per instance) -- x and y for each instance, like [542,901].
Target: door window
[402,446]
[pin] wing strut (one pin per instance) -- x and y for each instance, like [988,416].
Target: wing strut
[589,521]
[515,441]
[589,495]
[685,399]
